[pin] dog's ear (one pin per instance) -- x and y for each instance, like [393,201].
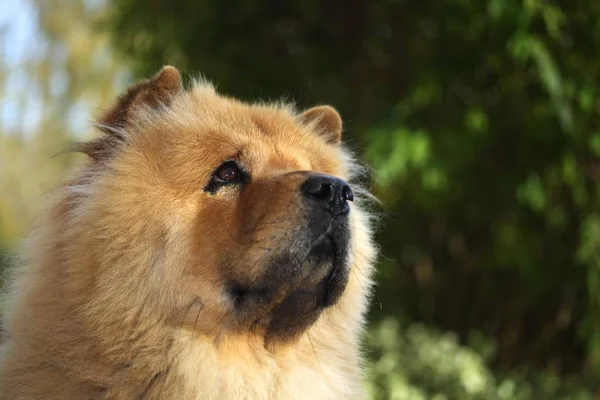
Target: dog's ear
[152,93]
[326,121]
[155,92]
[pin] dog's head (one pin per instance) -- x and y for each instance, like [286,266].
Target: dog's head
[221,216]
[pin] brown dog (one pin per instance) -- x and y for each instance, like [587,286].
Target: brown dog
[211,249]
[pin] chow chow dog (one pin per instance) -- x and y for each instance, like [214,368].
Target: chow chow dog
[208,249]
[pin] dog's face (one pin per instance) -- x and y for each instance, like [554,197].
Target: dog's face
[274,232]
[242,213]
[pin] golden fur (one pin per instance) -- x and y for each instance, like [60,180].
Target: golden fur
[120,295]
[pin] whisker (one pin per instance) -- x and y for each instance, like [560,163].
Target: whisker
[187,312]
[197,317]
[314,351]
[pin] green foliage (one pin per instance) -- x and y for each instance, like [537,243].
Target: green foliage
[413,362]
[511,138]
[4,262]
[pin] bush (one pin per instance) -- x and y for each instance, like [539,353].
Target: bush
[416,362]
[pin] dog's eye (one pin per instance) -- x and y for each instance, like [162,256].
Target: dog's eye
[228,172]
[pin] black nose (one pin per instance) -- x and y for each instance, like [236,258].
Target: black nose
[328,192]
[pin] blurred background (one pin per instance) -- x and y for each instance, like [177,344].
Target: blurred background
[479,120]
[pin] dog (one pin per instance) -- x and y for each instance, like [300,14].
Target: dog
[207,249]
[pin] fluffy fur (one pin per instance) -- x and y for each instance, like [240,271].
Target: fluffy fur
[122,292]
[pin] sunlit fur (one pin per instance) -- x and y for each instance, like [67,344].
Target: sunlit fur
[120,294]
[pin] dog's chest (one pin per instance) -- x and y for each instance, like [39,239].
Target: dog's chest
[203,374]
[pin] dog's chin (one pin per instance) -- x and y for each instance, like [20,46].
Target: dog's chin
[302,307]
[284,314]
